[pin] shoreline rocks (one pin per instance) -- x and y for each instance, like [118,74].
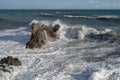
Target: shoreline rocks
[41,35]
[10,61]
[7,63]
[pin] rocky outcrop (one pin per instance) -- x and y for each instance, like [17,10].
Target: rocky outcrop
[41,35]
[11,61]
[56,27]
[6,63]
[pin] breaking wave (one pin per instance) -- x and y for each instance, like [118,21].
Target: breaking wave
[102,17]
[76,56]
[81,32]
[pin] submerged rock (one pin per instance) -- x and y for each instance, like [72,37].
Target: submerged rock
[11,61]
[41,35]
[6,64]
[115,35]
[56,27]
[112,36]
[103,37]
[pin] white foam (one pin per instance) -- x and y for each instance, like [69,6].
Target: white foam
[100,75]
[73,16]
[33,21]
[63,59]
[108,16]
[85,31]
[62,29]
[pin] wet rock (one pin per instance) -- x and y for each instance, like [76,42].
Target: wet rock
[5,70]
[11,61]
[17,62]
[41,35]
[56,27]
[3,61]
[6,64]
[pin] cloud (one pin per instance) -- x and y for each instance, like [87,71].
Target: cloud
[104,4]
[91,1]
[108,5]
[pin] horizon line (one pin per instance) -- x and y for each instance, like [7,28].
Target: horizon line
[59,9]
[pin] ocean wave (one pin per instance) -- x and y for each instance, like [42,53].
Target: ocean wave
[46,14]
[65,59]
[109,16]
[3,20]
[74,16]
[81,32]
[102,17]
[58,12]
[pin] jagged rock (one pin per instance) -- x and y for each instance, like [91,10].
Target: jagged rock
[17,62]
[6,64]
[11,61]
[41,35]
[3,61]
[56,27]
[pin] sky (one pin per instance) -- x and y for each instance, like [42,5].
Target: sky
[59,4]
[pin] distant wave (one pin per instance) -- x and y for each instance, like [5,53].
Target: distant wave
[108,17]
[102,17]
[74,16]
[58,12]
[46,14]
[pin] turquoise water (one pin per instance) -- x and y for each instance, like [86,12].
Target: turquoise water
[99,19]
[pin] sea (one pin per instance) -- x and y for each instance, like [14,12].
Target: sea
[88,48]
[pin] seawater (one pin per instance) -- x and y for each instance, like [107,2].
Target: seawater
[99,19]
[75,56]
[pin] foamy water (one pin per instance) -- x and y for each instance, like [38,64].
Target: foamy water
[73,57]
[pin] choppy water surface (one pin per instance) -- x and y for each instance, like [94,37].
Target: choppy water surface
[82,53]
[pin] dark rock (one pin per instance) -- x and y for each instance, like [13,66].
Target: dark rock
[5,70]
[56,27]
[6,64]
[3,61]
[11,61]
[40,35]
[17,62]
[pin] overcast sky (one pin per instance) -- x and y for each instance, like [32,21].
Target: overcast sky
[59,4]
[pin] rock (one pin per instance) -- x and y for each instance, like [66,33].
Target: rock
[17,62]
[56,27]
[6,64]
[3,61]
[41,35]
[112,36]
[11,61]
[5,70]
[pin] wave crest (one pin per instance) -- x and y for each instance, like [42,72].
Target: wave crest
[81,32]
